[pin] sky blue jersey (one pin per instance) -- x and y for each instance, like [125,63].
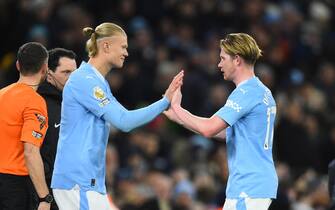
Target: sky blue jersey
[250,111]
[88,110]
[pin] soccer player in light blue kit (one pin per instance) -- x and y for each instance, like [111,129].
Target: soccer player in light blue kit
[246,121]
[88,110]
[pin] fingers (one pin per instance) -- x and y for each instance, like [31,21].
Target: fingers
[179,76]
[177,80]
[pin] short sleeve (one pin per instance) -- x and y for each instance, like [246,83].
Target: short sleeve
[35,121]
[237,105]
[90,93]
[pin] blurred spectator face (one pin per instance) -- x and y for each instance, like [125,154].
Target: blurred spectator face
[226,66]
[161,184]
[151,145]
[265,74]
[283,172]
[294,112]
[327,74]
[218,95]
[127,8]
[254,9]
[74,18]
[62,72]
[184,200]
[143,37]
[116,47]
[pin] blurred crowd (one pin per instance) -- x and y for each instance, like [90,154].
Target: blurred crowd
[162,166]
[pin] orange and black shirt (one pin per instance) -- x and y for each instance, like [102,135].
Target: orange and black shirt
[23,118]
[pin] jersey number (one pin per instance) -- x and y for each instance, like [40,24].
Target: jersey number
[271,113]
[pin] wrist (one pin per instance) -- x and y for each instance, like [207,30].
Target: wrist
[166,98]
[166,101]
[47,199]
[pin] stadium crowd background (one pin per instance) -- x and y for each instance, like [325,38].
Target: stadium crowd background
[162,164]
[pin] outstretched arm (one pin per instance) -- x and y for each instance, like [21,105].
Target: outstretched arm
[126,120]
[208,127]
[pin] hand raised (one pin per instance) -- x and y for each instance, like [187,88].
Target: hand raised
[174,85]
[176,98]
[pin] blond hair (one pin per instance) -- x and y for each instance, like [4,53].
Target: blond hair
[243,45]
[101,31]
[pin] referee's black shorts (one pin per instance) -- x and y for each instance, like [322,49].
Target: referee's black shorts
[15,192]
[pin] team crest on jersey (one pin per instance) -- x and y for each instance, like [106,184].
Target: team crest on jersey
[98,93]
[37,134]
[41,119]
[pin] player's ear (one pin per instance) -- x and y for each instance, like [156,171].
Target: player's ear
[17,66]
[237,59]
[106,47]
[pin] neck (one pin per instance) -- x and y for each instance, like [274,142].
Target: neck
[244,74]
[100,65]
[31,81]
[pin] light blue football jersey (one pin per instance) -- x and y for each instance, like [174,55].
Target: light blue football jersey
[88,110]
[250,111]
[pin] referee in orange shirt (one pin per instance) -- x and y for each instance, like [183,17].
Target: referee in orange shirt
[23,124]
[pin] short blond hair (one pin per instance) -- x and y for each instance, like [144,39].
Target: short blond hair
[243,45]
[101,31]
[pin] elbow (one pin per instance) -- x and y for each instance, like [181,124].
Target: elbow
[125,128]
[207,134]
[29,152]
[27,156]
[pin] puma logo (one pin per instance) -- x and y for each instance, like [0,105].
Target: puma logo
[57,125]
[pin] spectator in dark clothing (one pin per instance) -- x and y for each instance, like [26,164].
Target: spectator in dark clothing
[61,64]
[331,184]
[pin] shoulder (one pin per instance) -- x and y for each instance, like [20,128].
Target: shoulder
[35,103]
[82,81]
[83,76]
[249,94]
[37,99]
[261,93]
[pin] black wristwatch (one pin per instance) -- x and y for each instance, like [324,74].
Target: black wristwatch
[48,198]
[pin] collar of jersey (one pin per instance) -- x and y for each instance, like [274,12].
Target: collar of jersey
[245,81]
[99,75]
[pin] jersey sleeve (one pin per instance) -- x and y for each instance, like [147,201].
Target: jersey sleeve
[90,93]
[35,121]
[127,120]
[237,105]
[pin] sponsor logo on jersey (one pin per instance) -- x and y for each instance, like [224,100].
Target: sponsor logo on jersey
[235,106]
[57,125]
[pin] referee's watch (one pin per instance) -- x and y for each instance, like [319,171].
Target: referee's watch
[48,198]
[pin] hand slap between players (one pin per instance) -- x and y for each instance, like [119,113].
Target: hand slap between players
[176,83]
